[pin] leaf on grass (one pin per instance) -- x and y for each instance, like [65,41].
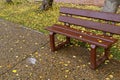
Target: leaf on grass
[111,56]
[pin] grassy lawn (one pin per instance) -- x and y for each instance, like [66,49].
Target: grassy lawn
[28,15]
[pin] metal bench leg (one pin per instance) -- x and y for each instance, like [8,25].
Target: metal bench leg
[93,56]
[52,41]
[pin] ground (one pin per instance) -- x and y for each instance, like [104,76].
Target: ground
[18,44]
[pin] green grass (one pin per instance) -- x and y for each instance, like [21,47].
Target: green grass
[28,15]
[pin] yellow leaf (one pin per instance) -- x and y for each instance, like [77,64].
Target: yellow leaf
[61,62]
[36,43]
[14,71]
[17,74]
[65,64]
[66,76]
[80,36]
[74,56]
[0,66]
[36,52]
[107,78]
[23,40]
[78,66]
[68,62]
[16,56]
[40,76]
[111,56]
[111,76]
[99,40]
[66,71]
[26,65]
[83,65]
[106,62]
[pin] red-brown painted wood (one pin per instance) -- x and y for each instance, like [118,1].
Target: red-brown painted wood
[92,14]
[81,36]
[90,24]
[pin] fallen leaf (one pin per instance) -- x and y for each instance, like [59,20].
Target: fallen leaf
[78,66]
[74,56]
[21,47]
[106,62]
[65,64]
[14,71]
[36,52]
[110,56]
[111,76]
[42,47]
[100,41]
[0,66]
[36,43]
[83,65]
[17,41]
[17,74]
[80,36]
[107,78]
[66,71]
[68,62]
[16,56]
[40,76]
[26,65]
[66,76]
[23,40]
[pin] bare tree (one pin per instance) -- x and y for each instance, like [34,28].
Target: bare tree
[46,4]
[111,6]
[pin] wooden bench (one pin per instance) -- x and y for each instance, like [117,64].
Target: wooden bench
[72,16]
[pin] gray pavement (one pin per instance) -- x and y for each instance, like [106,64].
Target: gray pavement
[18,44]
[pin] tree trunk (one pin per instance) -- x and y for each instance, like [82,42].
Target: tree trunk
[111,6]
[9,1]
[46,4]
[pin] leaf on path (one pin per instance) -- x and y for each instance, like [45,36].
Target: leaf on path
[14,71]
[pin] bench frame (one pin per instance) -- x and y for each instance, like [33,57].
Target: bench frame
[93,58]
[94,63]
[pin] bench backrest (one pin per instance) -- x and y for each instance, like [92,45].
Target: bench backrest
[71,12]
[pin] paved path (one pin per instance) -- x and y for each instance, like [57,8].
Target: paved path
[18,44]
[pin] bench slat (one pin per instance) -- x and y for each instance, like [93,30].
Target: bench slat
[80,36]
[103,37]
[90,24]
[91,14]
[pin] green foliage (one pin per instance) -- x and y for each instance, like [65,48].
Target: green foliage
[27,14]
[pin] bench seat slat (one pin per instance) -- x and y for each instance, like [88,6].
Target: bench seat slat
[91,14]
[80,36]
[90,24]
[103,37]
